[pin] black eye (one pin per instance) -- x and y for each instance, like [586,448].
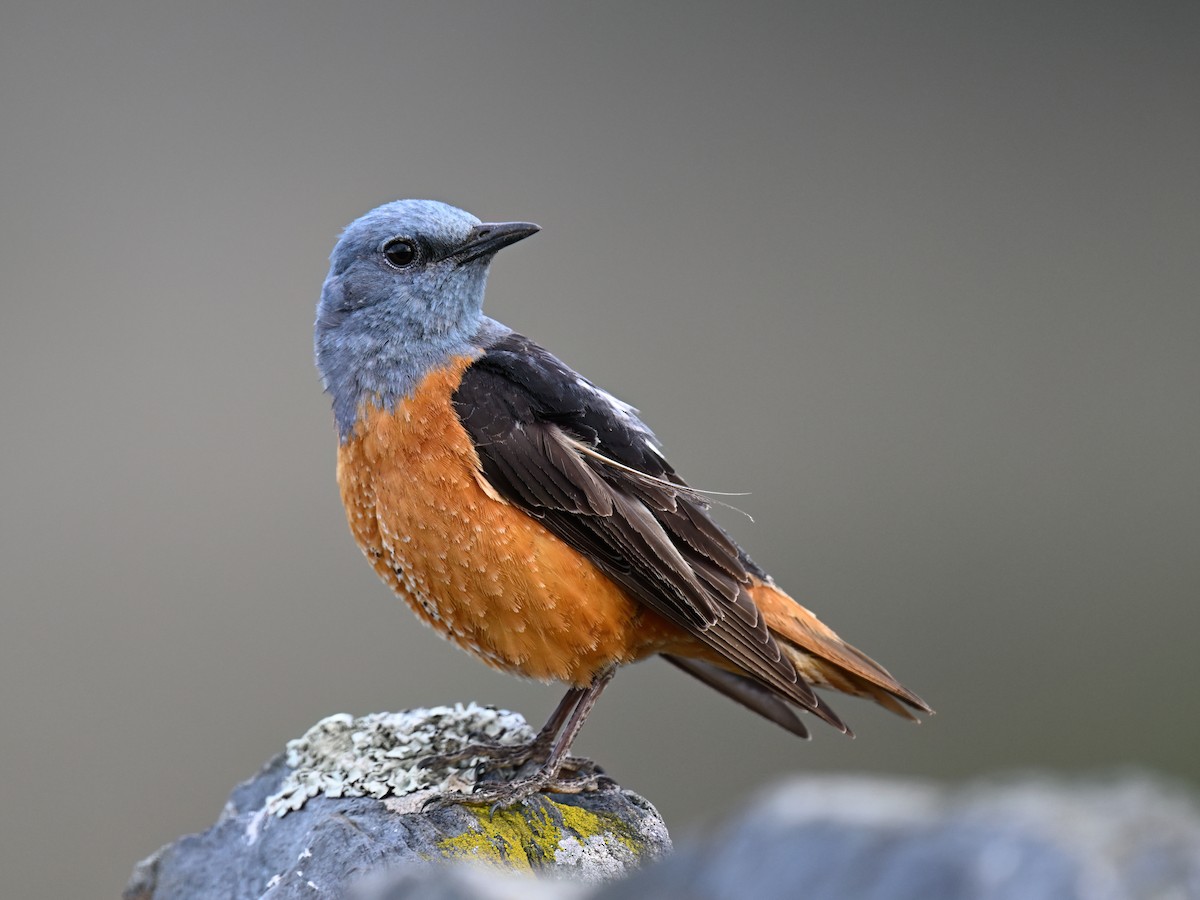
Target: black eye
[400,252]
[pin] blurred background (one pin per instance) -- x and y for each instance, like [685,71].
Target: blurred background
[921,278]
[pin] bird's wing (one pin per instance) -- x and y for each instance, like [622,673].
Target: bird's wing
[585,466]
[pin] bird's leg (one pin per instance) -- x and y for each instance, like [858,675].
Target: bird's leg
[502,795]
[502,755]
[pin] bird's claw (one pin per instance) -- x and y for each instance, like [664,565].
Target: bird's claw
[502,796]
[587,777]
[502,756]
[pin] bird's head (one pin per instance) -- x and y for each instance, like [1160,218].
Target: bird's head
[404,293]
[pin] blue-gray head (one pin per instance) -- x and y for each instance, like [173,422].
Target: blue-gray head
[404,293]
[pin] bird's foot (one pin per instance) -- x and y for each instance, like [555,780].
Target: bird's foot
[584,776]
[502,796]
[496,755]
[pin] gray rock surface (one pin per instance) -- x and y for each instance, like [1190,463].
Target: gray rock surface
[850,838]
[1123,838]
[341,815]
[282,834]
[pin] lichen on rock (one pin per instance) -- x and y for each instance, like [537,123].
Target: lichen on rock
[379,755]
[345,808]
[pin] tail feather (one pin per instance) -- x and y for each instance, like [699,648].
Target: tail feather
[824,659]
[745,691]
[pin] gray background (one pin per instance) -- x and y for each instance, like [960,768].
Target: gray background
[921,278]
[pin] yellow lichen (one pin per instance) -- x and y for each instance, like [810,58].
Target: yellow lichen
[588,824]
[523,838]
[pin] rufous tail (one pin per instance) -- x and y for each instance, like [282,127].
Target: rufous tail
[824,659]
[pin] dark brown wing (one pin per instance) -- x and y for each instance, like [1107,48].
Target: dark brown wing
[582,463]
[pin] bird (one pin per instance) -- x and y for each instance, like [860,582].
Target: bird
[531,517]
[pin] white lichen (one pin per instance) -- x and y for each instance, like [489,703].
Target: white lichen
[378,755]
[600,856]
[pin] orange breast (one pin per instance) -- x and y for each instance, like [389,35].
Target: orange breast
[477,569]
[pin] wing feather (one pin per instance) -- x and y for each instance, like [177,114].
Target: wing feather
[590,471]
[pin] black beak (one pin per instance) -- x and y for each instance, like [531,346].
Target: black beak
[486,239]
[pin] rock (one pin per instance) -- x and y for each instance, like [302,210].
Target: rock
[822,838]
[346,801]
[341,815]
